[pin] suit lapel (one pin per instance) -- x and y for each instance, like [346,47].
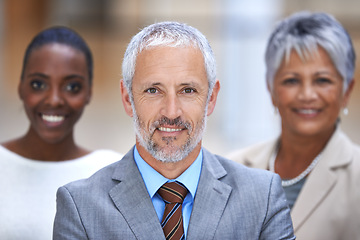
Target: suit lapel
[211,198]
[322,179]
[133,201]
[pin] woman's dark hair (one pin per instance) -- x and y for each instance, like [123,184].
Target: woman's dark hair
[61,35]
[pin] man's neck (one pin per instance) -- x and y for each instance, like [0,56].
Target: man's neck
[169,170]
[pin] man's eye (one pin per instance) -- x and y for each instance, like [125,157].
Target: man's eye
[189,90]
[73,87]
[37,85]
[151,90]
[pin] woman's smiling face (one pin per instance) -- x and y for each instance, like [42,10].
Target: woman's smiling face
[309,94]
[55,89]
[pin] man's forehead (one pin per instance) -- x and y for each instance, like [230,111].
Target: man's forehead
[170,60]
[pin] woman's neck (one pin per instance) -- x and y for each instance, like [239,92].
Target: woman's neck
[33,147]
[296,153]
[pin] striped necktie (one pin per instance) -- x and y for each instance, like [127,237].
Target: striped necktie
[173,194]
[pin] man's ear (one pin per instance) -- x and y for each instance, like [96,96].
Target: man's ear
[125,97]
[213,98]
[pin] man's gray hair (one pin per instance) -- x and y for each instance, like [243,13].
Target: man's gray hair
[171,34]
[304,32]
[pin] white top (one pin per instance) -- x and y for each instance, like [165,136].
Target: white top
[28,190]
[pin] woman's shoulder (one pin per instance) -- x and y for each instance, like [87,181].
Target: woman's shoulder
[342,151]
[107,153]
[106,156]
[342,142]
[9,155]
[247,155]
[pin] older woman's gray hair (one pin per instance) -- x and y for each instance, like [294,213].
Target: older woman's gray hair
[304,32]
[170,34]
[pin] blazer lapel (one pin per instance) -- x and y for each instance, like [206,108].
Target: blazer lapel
[315,190]
[322,179]
[210,200]
[131,198]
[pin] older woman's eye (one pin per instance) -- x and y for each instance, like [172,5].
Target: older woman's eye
[323,81]
[290,81]
[73,87]
[37,85]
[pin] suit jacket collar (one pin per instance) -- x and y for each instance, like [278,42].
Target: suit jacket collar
[133,201]
[211,198]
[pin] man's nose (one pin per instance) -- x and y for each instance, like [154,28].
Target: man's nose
[171,106]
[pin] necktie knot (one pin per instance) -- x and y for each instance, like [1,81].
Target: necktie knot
[173,192]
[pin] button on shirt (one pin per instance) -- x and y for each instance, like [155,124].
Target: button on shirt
[154,180]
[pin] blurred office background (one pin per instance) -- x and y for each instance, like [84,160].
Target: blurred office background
[237,30]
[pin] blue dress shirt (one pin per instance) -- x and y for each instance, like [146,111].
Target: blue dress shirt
[154,180]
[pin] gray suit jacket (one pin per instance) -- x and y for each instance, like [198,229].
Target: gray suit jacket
[232,202]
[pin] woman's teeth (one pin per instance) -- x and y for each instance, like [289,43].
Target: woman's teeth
[52,118]
[307,111]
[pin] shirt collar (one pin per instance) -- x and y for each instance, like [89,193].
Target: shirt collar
[154,180]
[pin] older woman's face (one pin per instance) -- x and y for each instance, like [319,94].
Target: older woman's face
[309,94]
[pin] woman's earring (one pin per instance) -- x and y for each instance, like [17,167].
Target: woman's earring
[346,111]
[276,110]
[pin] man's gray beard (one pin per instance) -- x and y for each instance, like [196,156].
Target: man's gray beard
[176,154]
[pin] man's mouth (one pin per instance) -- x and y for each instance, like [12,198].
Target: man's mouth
[164,129]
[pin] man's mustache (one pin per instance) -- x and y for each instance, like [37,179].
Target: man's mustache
[176,122]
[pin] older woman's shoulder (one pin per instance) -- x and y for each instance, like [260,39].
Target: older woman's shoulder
[356,149]
[344,141]
[356,157]
[247,154]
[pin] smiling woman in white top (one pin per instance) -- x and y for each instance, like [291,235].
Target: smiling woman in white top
[55,87]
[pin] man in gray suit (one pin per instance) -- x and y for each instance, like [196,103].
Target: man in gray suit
[169,87]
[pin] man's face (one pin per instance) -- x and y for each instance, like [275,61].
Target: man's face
[170,91]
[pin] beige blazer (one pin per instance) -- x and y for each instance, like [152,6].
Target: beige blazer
[328,206]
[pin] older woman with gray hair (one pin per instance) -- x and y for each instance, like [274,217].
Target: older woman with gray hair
[310,64]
